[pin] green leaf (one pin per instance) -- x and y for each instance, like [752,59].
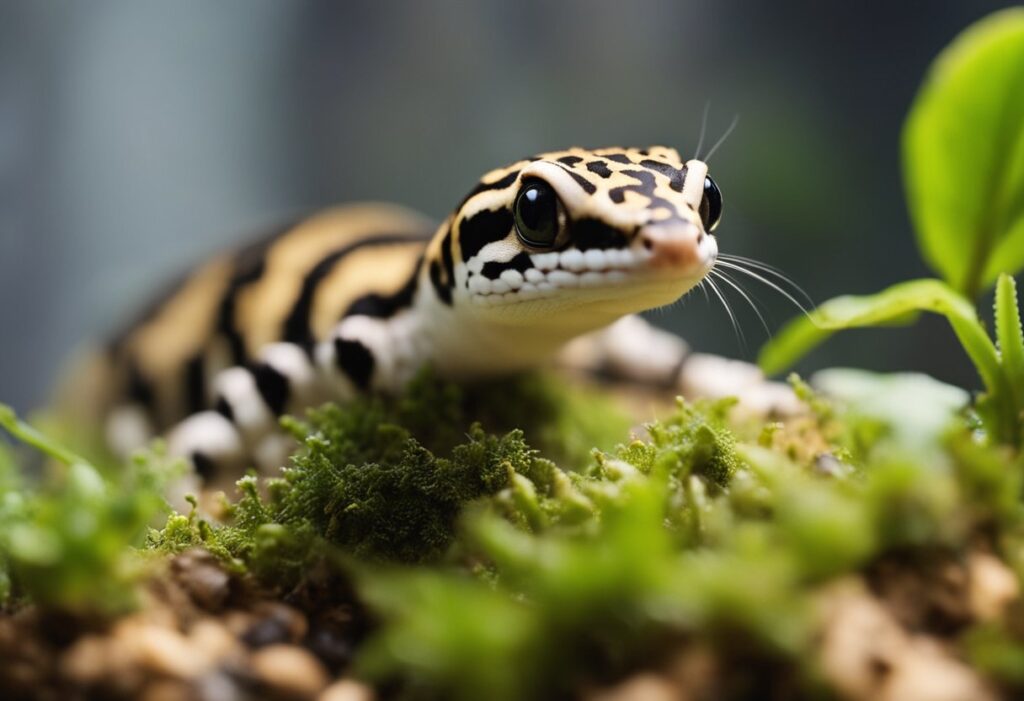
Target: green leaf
[1010,337]
[804,333]
[29,435]
[915,409]
[963,155]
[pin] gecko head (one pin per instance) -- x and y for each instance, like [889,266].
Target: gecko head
[575,239]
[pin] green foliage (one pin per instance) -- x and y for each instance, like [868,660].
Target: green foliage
[964,161]
[65,543]
[665,554]
[1010,337]
[997,652]
[565,598]
[491,572]
[999,369]
[450,637]
[404,507]
[530,580]
[914,407]
[963,155]
[385,479]
[897,304]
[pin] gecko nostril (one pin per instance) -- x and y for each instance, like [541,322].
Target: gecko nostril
[674,244]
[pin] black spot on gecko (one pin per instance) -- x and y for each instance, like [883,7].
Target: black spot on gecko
[248,267]
[355,360]
[195,384]
[447,257]
[675,175]
[442,275]
[223,408]
[645,178]
[483,228]
[618,158]
[570,160]
[442,288]
[499,184]
[204,466]
[645,186]
[494,269]
[386,306]
[599,168]
[139,389]
[594,233]
[273,387]
[587,186]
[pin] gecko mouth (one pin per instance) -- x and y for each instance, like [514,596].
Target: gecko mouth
[573,269]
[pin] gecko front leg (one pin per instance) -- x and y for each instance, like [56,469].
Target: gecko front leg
[362,354]
[634,350]
[241,429]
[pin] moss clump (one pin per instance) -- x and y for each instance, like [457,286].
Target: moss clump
[491,571]
[403,507]
[66,541]
[385,479]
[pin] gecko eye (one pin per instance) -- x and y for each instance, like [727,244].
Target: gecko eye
[539,216]
[710,205]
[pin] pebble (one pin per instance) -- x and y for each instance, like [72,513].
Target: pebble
[642,687]
[213,640]
[167,652]
[86,661]
[993,586]
[828,465]
[347,690]
[868,656]
[218,686]
[202,577]
[238,622]
[331,644]
[275,623]
[166,690]
[289,670]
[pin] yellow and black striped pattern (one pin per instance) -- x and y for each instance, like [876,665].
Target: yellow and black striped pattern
[294,285]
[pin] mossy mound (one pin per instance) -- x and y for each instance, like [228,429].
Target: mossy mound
[695,556]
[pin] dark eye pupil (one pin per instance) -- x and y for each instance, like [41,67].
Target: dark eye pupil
[537,214]
[711,205]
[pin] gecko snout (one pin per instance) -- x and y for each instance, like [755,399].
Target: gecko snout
[673,244]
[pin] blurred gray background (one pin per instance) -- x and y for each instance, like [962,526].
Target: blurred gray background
[136,137]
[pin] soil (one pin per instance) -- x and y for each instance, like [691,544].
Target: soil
[203,633]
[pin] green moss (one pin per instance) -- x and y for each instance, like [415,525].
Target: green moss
[66,542]
[497,568]
[688,534]
[386,479]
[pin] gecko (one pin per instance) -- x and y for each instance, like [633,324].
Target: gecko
[551,256]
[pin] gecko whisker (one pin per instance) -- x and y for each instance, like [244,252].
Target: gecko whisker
[722,138]
[769,270]
[703,129]
[743,293]
[765,281]
[728,310]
